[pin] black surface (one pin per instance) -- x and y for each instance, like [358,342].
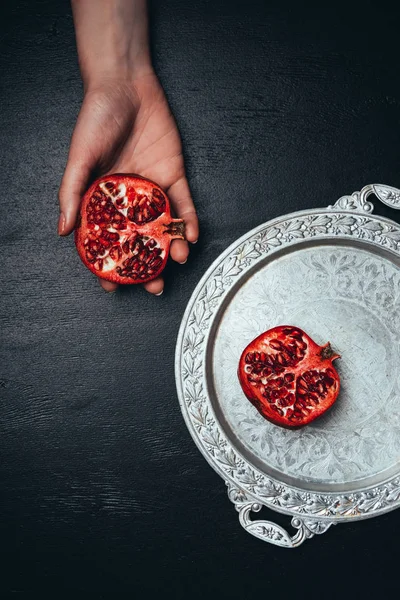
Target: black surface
[103,492]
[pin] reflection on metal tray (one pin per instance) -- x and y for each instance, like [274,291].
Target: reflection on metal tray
[335,273]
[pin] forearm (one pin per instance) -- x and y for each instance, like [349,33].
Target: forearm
[112,39]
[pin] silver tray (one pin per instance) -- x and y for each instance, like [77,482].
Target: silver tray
[335,273]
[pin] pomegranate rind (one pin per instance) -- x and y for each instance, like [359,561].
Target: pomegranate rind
[154,232]
[316,359]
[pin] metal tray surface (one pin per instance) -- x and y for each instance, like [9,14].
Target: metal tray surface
[335,273]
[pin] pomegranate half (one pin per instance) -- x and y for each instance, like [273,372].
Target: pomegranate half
[125,229]
[288,377]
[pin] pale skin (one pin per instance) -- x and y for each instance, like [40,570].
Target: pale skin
[125,124]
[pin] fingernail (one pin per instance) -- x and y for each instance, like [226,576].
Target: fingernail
[159,293]
[183,262]
[61,224]
[195,242]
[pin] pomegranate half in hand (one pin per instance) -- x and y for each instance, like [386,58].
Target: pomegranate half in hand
[288,377]
[125,229]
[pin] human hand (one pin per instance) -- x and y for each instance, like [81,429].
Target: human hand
[125,124]
[127,127]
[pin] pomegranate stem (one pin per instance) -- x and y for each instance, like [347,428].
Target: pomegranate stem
[176,229]
[327,353]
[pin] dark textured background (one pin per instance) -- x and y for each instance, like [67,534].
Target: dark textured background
[103,492]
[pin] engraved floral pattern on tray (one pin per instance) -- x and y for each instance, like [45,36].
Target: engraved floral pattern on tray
[353,296]
[349,218]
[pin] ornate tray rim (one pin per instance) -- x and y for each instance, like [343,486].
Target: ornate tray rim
[248,488]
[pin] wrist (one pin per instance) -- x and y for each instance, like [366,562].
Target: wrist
[115,73]
[112,39]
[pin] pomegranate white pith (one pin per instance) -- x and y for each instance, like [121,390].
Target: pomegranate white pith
[126,229]
[288,377]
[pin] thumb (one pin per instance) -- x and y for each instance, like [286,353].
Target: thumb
[73,185]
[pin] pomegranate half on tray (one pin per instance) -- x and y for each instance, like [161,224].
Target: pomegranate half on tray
[125,229]
[288,377]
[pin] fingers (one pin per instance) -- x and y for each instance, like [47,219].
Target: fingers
[182,203]
[80,164]
[73,186]
[179,251]
[155,287]
[108,286]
